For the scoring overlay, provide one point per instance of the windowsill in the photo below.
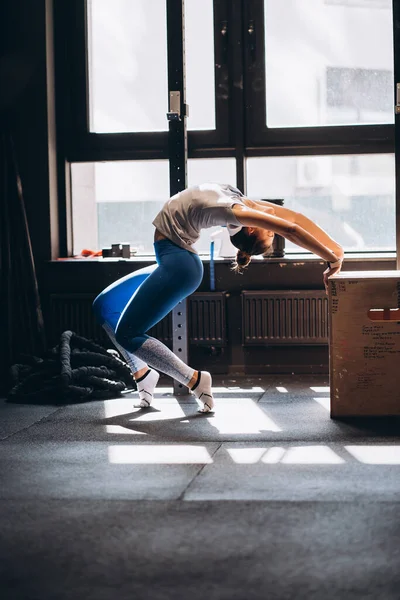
(287, 259)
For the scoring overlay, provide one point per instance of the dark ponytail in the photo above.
(241, 262)
(249, 245)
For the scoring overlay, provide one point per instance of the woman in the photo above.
(132, 305)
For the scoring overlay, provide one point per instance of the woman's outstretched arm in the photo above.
(322, 245)
(299, 219)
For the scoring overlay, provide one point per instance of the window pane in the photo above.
(351, 197)
(202, 170)
(127, 49)
(115, 202)
(328, 62)
(200, 80)
(128, 87)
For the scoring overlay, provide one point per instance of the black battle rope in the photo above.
(77, 370)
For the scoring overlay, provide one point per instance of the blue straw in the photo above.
(212, 268)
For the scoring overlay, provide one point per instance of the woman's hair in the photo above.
(249, 244)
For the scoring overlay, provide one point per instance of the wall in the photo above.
(27, 46)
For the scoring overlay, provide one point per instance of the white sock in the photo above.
(202, 390)
(146, 386)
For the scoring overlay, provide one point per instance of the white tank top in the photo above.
(199, 207)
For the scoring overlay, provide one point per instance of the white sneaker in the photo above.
(146, 386)
(203, 391)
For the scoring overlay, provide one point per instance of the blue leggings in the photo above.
(135, 303)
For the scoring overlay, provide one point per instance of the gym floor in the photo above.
(268, 498)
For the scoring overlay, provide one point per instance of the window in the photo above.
(312, 66)
(115, 77)
(304, 40)
(351, 197)
(127, 65)
(116, 202)
(200, 81)
(127, 56)
(290, 99)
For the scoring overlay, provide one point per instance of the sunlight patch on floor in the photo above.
(273, 455)
(376, 455)
(311, 455)
(293, 455)
(119, 429)
(246, 456)
(125, 406)
(232, 416)
(118, 406)
(246, 417)
(324, 402)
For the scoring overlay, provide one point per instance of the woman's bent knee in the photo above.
(122, 337)
(128, 339)
(125, 335)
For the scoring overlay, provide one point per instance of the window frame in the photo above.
(82, 145)
(241, 130)
(257, 140)
(262, 140)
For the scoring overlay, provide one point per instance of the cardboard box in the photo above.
(364, 343)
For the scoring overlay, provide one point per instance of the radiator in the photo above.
(285, 317)
(206, 319)
(74, 312)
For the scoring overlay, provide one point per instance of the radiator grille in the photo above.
(206, 318)
(74, 312)
(285, 317)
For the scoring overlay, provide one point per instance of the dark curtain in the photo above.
(21, 319)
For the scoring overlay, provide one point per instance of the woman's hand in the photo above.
(332, 269)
